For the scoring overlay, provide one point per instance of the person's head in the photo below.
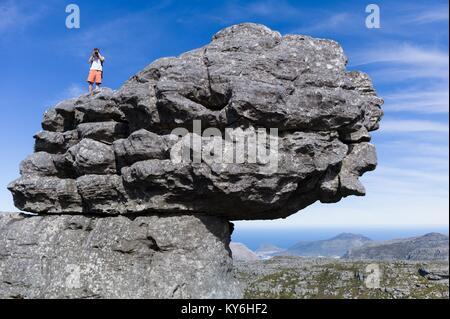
(96, 51)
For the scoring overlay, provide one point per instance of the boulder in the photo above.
(105, 132)
(92, 157)
(115, 257)
(46, 195)
(55, 142)
(193, 134)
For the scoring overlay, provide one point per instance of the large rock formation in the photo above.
(115, 257)
(254, 125)
(111, 153)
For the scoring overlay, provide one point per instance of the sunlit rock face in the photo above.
(117, 152)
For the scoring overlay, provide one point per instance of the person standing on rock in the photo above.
(96, 71)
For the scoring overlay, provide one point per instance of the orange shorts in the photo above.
(95, 76)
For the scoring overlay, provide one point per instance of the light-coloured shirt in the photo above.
(96, 63)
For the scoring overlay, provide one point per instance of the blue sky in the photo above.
(42, 62)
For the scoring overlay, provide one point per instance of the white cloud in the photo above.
(416, 147)
(404, 53)
(74, 90)
(374, 210)
(272, 9)
(394, 62)
(421, 100)
(432, 163)
(402, 174)
(19, 14)
(407, 126)
(231, 13)
(431, 15)
(401, 73)
(340, 21)
(396, 197)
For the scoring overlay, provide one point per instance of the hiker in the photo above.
(96, 71)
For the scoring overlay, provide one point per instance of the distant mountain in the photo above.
(432, 246)
(333, 247)
(266, 251)
(242, 252)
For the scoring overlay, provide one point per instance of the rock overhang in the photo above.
(111, 153)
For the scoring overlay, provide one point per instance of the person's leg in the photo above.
(90, 80)
(98, 80)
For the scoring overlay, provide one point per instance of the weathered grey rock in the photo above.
(140, 146)
(102, 193)
(359, 134)
(115, 257)
(55, 142)
(92, 157)
(39, 163)
(105, 132)
(248, 79)
(360, 159)
(36, 193)
(98, 109)
(46, 164)
(60, 118)
(53, 121)
(433, 274)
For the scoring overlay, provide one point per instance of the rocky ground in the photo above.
(309, 278)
